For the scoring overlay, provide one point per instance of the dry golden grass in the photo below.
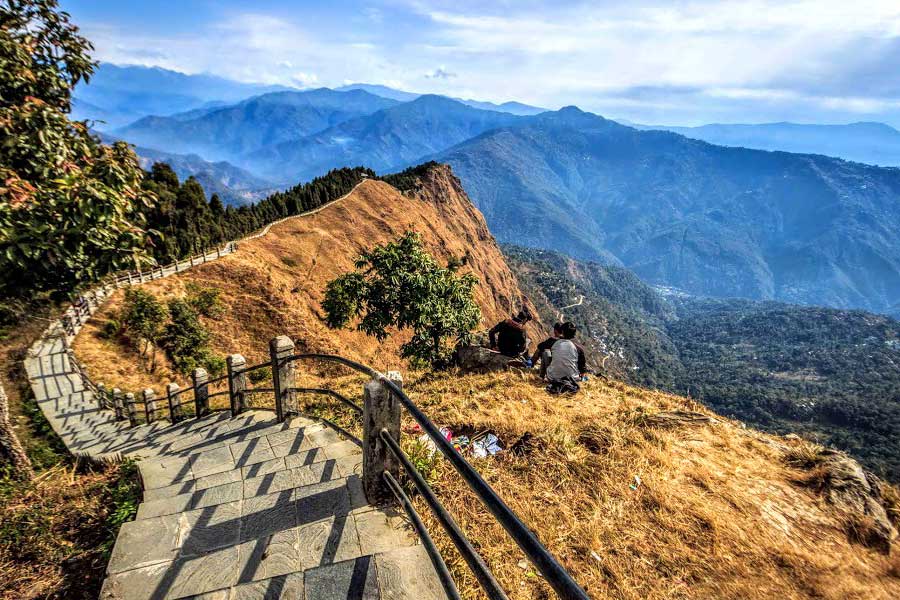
(716, 511)
(715, 514)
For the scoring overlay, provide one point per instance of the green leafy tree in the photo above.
(143, 316)
(187, 339)
(69, 206)
(401, 285)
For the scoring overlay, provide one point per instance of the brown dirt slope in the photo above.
(274, 285)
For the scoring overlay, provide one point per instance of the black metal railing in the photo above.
(546, 564)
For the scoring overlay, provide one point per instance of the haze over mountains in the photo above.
(679, 212)
(873, 143)
(267, 120)
(121, 94)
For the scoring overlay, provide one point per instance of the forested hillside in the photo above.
(831, 375)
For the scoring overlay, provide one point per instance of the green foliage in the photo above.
(69, 206)
(185, 336)
(207, 301)
(260, 375)
(400, 285)
(124, 497)
(143, 315)
(408, 179)
(111, 329)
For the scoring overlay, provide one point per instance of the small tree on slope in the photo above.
(401, 285)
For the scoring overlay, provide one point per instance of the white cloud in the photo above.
(826, 55)
(440, 73)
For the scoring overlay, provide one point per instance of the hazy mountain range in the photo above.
(121, 94)
(227, 132)
(389, 138)
(711, 220)
(873, 143)
(707, 219)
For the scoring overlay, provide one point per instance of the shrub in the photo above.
(111, 329)
(207, 301)
(143, 316)
(187, 340)
(260, 375)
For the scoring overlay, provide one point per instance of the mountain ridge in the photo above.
(711, 220)
(865, 142)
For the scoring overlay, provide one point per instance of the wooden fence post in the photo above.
(171, 390)
(150, 405)
(381, 410)
(237, 382)
(117, 404)
(131, 408)
(283, 376)
(201, 393)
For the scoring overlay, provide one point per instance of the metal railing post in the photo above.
(381, 411)
(201, 393)
(237, 382)
(283, 376)
(171, 390)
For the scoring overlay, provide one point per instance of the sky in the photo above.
(646, 61)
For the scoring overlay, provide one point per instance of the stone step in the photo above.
(222, 546)
(401, 573)
(163, 502)
(345, 454)
(256, 456)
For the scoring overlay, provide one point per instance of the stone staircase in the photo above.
(237, 507)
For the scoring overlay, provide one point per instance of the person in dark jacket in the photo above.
(508, 337)
(567, 363)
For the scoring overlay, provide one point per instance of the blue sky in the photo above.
(651, 61)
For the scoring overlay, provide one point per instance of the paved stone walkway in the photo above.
(236, 508)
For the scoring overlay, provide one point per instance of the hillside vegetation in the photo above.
(275, 284)
(832, 375)
(633, 507)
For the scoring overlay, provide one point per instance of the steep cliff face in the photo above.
(275, 284)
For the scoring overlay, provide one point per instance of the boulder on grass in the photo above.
(855, 492)
(477, 359)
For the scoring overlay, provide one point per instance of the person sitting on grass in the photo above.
(544, 347)
(508, 337)
(567, 363)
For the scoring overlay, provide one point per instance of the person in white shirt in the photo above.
(567, 363)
